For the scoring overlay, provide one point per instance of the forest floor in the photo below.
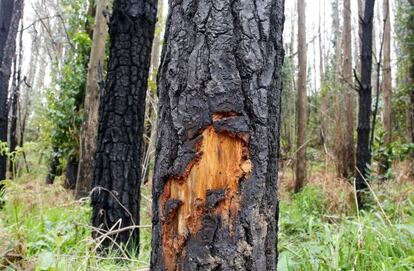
(43, 228)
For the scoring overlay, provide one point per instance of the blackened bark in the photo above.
(365, 100)
(71, 173)
(53, 166)
(6, 11)
(9, 22)
(215, 205)
(116, 183)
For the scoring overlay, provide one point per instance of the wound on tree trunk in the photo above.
(215, 205)
(116, 193)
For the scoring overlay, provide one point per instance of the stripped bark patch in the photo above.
(210, 187)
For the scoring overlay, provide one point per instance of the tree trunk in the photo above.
(15, 97)
(53, 166)
(10, 15)
(324, 102)
(28, 91)
(116, 182)
(91, 107)
(71, 173)
(365, 100)
(386, 83)
(349, 161)
(411, 92)
(215, 204)
(301, 99)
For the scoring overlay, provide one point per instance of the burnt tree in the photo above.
(6, 11)
(10, 15)
(116, 182)
(215, 205)
(365, 100)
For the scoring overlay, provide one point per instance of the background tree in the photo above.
(349, 157)
(65, 95)
(116, 183)
(214, 190)
(91, 104)
(387, 83)
(17, 82)
(301, 99)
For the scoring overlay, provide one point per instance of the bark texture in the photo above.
(91, 103)
(116, 182)
(387, 83)
(215, 204)
(301, 107)
(365, 100)
(11, 12)
(349, 161)
(6, 11)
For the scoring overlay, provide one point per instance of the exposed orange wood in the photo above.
(223, 161)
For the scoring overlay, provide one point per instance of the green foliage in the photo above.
(405, 39)
(396, 151)
(65, 96)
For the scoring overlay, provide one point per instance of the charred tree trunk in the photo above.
(9, 23)
(90, 119)
(349, 161)
(116, 192)
(71, 173)
(215, 205)
(301, 100)
(6, 11)
(53, 166)
(365, 100)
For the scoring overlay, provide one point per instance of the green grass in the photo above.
(49, 231)
(312, 239)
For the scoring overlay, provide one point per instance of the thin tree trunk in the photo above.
(301, 99)
(27, 97)
(323, 92)
(349, 161)
(15, 97)
(365, 100)
(91, 114)
(215, 205)
(53, 166)
(411, 92)
(8, 31)
(151, 101)
(386, 83)
(116, 182)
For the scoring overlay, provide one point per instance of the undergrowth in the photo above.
(42, 228)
